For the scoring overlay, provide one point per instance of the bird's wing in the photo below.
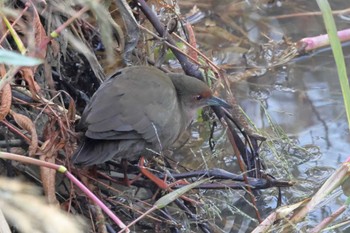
(131, 107)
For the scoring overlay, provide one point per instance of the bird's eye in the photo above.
(198, 97)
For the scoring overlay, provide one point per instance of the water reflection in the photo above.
(302, 97)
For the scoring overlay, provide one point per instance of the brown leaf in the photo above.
(28, 75)
(192, 40)
(40, 37)
(49, 153)
(25, 123)
(48, 177)
(6, 100)
(71, 110)
(55, 47)
(6, 96)
(53, 141)
(38, 50)
(52, 145)
(2, 70)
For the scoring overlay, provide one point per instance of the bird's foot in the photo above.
(161, 183)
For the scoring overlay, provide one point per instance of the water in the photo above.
(302, 97)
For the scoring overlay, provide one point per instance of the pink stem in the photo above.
(322, 40)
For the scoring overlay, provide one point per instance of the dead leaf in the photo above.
(38, 50)
(6, 101)
(49, 151)
(27, 124)
(39, 36)
(6, 96)
(192, 41)
(28, 75)
(48, 177)
(71, 110)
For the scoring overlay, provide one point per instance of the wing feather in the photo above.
(116, 113)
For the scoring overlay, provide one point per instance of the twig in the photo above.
(62, 169)
(311, 43)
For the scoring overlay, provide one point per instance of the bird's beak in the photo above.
(215, 101)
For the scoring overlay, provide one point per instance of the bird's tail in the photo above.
(93, 152)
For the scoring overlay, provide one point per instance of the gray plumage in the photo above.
(139, 110)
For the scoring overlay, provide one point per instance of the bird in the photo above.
(139, 111)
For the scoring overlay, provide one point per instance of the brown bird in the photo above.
(138, 111)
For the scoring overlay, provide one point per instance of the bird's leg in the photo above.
(126, 180)
(160, 183)
(124, 164)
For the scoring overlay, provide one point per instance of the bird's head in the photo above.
(194, 94)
